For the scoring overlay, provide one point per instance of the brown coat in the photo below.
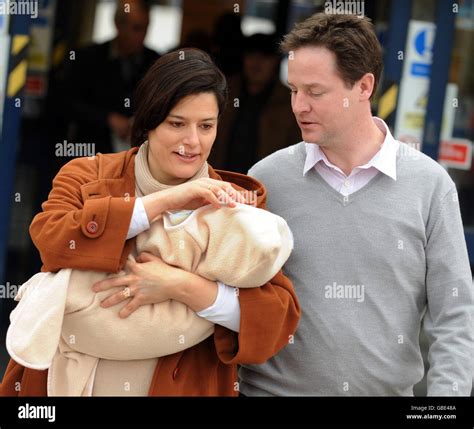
(84, 225)
(277, 124)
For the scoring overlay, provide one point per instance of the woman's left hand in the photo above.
(150, 280)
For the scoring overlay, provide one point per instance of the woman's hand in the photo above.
(151, 281)
(192, 195)
(148, 281)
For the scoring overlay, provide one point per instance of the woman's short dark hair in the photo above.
(174, 76)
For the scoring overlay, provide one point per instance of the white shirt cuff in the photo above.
(226, 308)
(139, 221)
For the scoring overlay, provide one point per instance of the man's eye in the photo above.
(293, 91)
(317, 94)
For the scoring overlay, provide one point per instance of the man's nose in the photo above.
(299, 103)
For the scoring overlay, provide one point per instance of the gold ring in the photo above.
(126, 292)
(210, 186)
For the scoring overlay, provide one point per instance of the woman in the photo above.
(93, 214)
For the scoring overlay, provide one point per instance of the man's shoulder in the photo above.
(282, 160)
(422, 169)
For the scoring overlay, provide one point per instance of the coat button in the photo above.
(92, 227)
(175, 373)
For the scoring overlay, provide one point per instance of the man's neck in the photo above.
(356, 148)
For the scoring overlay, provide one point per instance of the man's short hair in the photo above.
(351, 38)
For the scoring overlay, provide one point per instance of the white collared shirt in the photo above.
(384, 161)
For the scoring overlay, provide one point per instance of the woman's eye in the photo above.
(317, 94)
(206, 126)
(176, 124)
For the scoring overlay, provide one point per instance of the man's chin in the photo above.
(311, 138)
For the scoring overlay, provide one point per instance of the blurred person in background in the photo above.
(199, 39)
(228, 41)
(258, 101)
(101, 80)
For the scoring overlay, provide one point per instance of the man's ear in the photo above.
(366, 86)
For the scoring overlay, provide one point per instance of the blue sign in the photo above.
(424, 46)
(420, 69)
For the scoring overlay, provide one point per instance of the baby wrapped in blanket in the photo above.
(59, 324)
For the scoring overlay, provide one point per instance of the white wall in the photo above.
(163, 33)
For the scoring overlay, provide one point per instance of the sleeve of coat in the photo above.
(81, 226)
(21, 381)
(269, 316)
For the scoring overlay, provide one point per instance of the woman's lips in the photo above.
(188, 159)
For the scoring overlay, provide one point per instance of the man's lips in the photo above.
(305, 124)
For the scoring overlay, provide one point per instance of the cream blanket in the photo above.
(58, 323)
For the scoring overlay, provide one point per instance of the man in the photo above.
(101, 80)
(379, 243)
(247, 132)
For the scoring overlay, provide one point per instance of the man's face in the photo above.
(132, 30)
(324, 107)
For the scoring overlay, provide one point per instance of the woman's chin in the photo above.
(185, 172)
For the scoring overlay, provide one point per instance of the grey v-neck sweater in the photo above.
(367, 268)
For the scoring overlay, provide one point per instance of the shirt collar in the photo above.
(385, 160)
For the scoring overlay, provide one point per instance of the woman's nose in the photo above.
(192, 137)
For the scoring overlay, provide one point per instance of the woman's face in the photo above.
(181, 144)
